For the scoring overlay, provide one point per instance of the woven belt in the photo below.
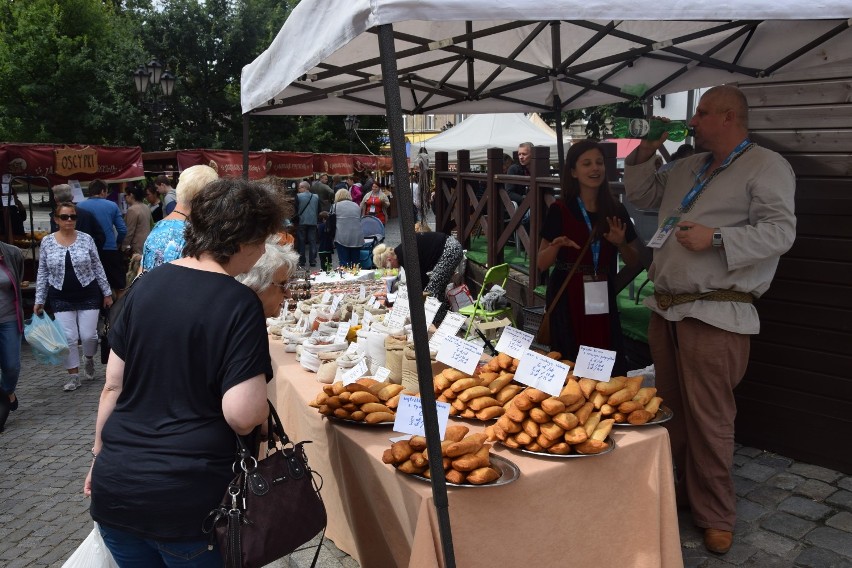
(665, 301)
(583, 268)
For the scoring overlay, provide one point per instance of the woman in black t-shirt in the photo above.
(164, 437)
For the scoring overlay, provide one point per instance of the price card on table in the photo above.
(353, 321)
(382, 374)
(304, 324)
(460, 354)
(450, 326)
(342, 332)
(285, 308)
(396, 318)
(352, 349)
(326, 297)
(368, 317)
(514, 342)
(362, 292)
(431, 307)
(594, 363)
(542, 372)
(409, 416)
(336, 302)
(355, 372)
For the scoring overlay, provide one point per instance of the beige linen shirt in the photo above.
(752, 202)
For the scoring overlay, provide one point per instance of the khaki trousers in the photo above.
(697, 367)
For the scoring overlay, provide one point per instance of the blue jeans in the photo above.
(131, 551)
(307, 235)
(10, 355)
(347, 256)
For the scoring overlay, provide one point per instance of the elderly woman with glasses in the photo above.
(269, 276)
(71, 281)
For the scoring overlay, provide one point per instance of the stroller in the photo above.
(373, 232)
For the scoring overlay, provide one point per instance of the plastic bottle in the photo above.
(653, 129)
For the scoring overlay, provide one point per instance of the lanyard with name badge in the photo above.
(668, 224)
(595, 293)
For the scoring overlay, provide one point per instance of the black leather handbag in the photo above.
(272, 507)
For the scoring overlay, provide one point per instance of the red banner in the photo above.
(290, 165)
(228, 163)
(61, 162)
(345, 164)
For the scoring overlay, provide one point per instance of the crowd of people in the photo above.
(218, 243)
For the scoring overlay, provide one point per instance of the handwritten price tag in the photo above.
(514, 342)
(362, 292)
(336, 302)
(355, 372)
(382, 374)
(542, 372)
(342, 331)
(285, 308)
(397, 317)
(353, 348)
(450, 326)
(354, 319)
(431, 307)
(409, 416)
(460, 354)
(594, 363)
(326, 297)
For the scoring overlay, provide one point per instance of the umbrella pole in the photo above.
(402, 191)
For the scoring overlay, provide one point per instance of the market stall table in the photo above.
(612, 510)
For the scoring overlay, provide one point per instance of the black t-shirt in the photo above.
(186, 336)
(430, 247)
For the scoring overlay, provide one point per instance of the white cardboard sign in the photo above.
(355, 372)
(594, 363)
(460, 354)
(541, 372)
(514, 342)
(409, 416)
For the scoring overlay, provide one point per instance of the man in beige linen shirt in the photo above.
(722, 251)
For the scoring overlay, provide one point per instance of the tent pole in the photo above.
(402, 191)
(246, 146)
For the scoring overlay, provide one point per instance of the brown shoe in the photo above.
(717, 540)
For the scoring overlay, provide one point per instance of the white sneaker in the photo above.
(90, 368)
(72, 384)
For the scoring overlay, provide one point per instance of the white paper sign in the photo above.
(382, 374)
(594, 363)
(355, 372)
(342, 331)
(353, 321)
(409, 416)
(285, 308)
(368, 317)
(353, 348)
(542, 372)
(431, 307)
(76, 191)
(459, 354)
(336, 302)
(362, 292)
(397, 317)
(450, 326)
(514, 342)
(326, 297)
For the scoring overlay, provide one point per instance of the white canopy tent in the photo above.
(479, 132)
(395, 57)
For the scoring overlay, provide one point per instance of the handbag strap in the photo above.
(570, 274)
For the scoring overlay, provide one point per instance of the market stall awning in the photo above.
(62, 162)
(484, 56)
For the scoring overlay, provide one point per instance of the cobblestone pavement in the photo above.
(790, 513)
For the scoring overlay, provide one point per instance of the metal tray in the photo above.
(664, 414)
(357, 422)
(509, 472)
(608, 440)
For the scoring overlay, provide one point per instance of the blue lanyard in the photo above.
(596, 244)
(696, 190)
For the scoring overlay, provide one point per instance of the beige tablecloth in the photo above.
(614, 510)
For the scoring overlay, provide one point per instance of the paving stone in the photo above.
(841, 521)
(787, 525)
(749, 510)
(768, 560)
(740, 460)
(750, 452)
(804, 508)
(770, 542)
(740, 552)
(786, 481)
(832, 539)
(743, 486)
(815, 557)
(695, 558)
(768, 496)
(841, 499)
(815, 472)
(755, 472)
(774, 461)
(815, 489)
(845, 483)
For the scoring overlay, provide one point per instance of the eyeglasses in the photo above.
(283, 286)
(66, 217)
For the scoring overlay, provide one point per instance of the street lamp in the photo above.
(351, 122)
(153, 84)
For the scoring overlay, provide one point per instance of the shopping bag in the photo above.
(46, 338)
(92, 553)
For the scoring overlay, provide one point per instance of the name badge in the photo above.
(596, 297)
(663, 232)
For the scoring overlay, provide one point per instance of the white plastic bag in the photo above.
(92, 553)
(45, 336)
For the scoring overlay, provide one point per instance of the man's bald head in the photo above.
(727, 97)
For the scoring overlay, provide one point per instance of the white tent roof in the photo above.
(478, 132)
(536, 119)
(481, 56)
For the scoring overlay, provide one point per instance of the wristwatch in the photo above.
(717, 238)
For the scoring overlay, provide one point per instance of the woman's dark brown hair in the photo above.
(607, 206)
